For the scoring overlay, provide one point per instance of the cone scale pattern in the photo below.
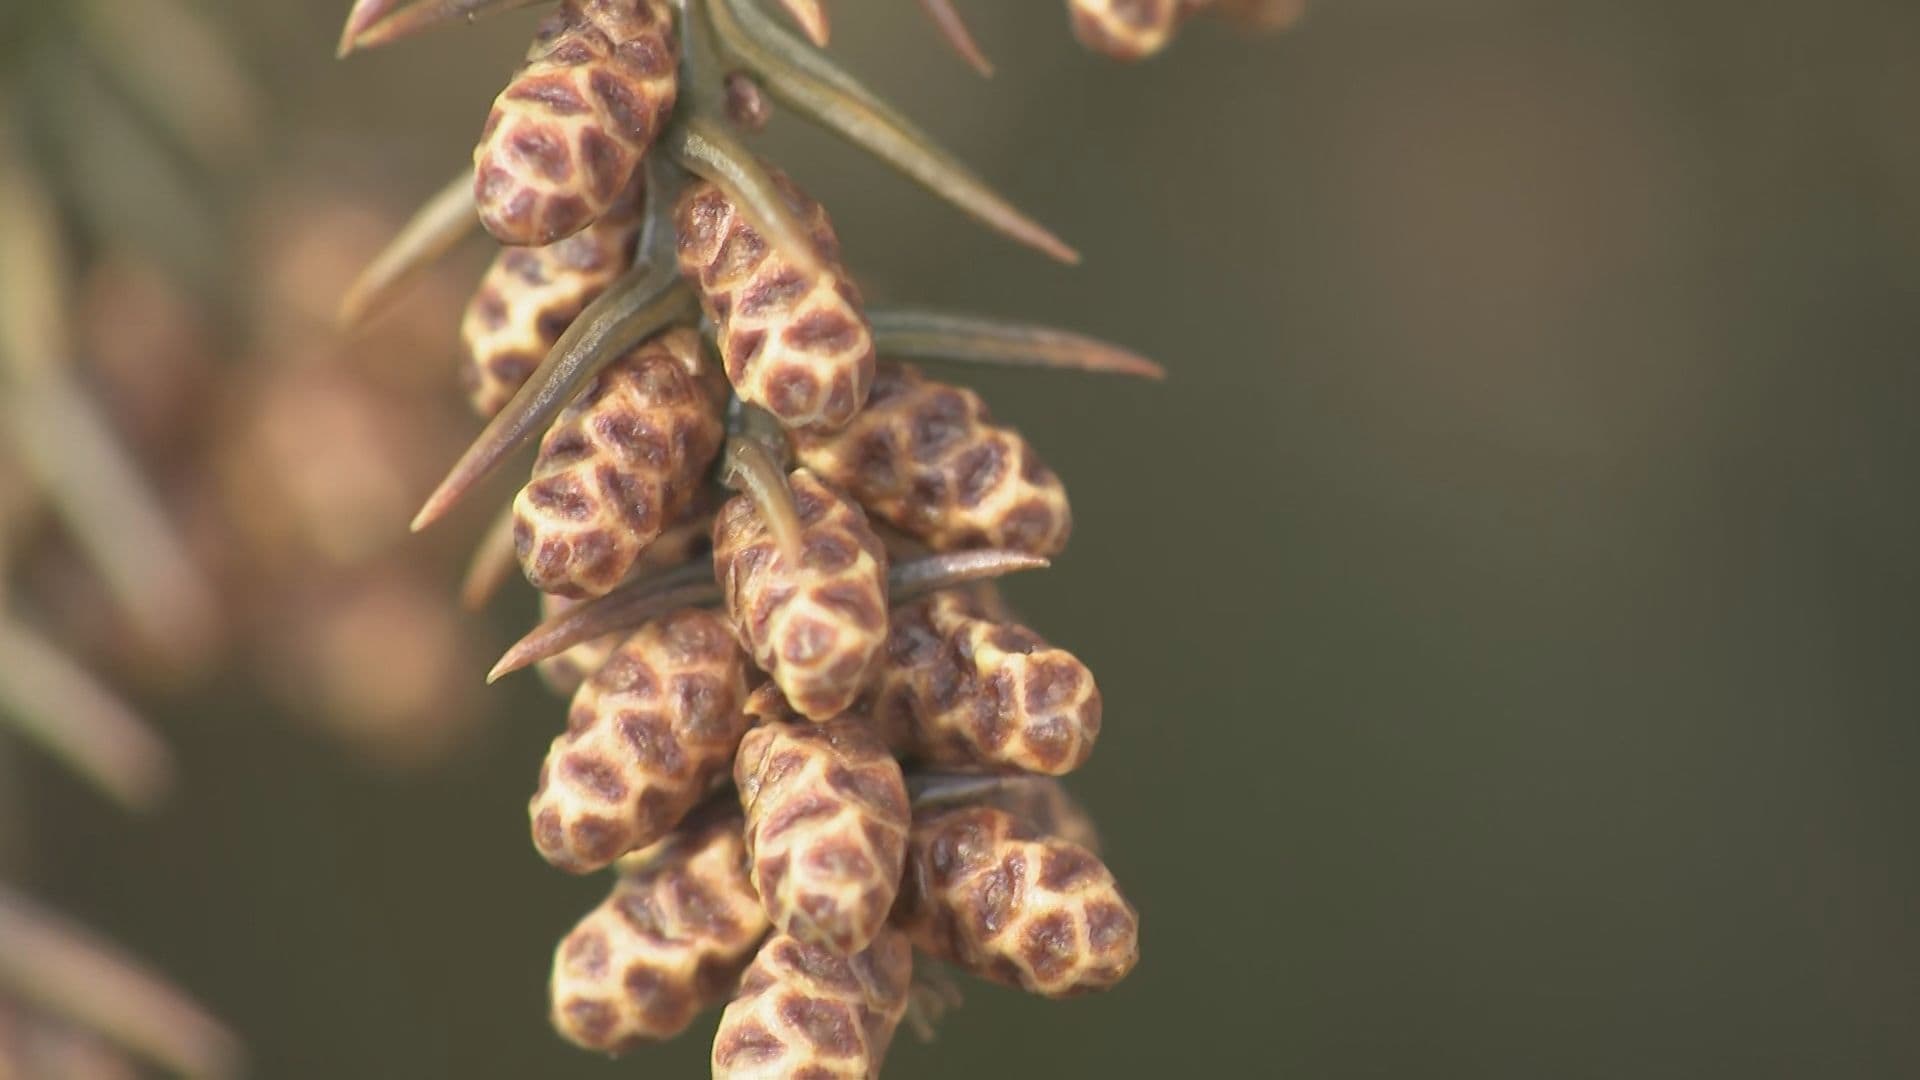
(646, 739)
(563, 673)
(928, 459)
(566, 136)
(805, 1011)
(745, 768)
(669, 941)
(816, 625)
(617, 468)
(956, 690)
(528, 298)
(991, 896)
(795, 340)
(827, 817)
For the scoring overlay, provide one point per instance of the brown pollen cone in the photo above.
(816, 627)
(528, 298)
(565, 138)
(795, 339)
(827, 818)
(646, 738)
(990, 895)
(618, 467)
(955, 690)
(927, 458)
(669, 941)
(1127, 29)
(564, 672)
(804, 1011)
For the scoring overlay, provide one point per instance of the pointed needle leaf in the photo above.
(33, 271)
(434, 229)
(173, 61)
(633, 604)
(364, 14)
(716, 155)
(492, 563)
(811, 17)
(646, 301)
(71, 451)
(55, 702)
(811, 84)
(934, 335)
(625, 608)
(752, 469)
(67, 972)
(928, 789)
(947, 19)
(91, 480)
(931, 573)
(390, 25)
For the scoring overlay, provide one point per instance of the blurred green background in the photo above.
(1506, 612)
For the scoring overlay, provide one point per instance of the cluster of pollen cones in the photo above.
(805, 735)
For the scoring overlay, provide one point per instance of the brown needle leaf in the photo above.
(70, 450)
(813, 85)
(947, 19)
(91, 480)
(714, 154)
(627, 607)
(647, 300)
(811, 15)
(373, 23)
(173, 64)
(931, 335)
(58, 704)
(492, 564)
(752, 469)
(433, 230)
(33, 271)
(364, 14)
(69, 973)
(932, 573)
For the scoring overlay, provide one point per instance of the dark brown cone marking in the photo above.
(826, 811)
(817, 628)
(927, 458)
(988, 894)
(794, 339)
(677, 929)
(955, 690)
(634, 760)
(806, 1011)
(618, 466)
(565, 138)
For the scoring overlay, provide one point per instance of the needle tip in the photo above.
(513, 660)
